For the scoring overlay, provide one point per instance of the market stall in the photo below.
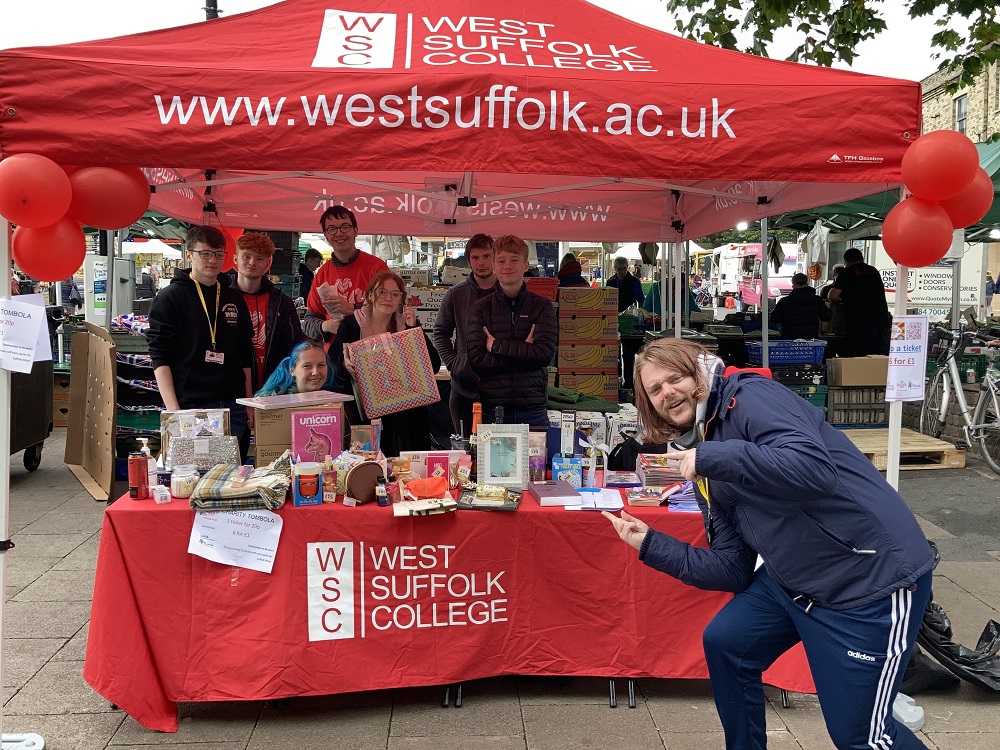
(349, 606)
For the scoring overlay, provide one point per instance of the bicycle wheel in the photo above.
(987, 422)
(930, 412)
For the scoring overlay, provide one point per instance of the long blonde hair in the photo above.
(679, 356)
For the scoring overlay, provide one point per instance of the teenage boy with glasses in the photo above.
(347, 272)
(200, 336)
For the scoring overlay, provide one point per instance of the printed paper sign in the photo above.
(907, 358)
(20, 325)
(244, 538)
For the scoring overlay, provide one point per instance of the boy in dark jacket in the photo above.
(452, 320)
(801, 311)
(511, 337)
(846, 570)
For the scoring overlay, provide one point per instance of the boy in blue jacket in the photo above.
(846, 569)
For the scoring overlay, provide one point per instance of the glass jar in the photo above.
(183, 481)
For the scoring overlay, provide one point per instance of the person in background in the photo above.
(384, 311)
(991, 287)
(450, 330)
(800, 312)
(571, 274)
(308, 368)
(200, 336)
(628, 286)
(511, 339)
(312, 260)
(146, 288)
(846, 569)
(347, 273)
(565, 259)
(866, 313)
(653, 302)
(824, 291)
(72, 297)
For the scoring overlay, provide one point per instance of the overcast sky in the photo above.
(901, 52)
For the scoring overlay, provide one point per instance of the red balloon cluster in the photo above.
(950, 191)
(49, 204)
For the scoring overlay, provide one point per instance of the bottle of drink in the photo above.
(477, 419)
(498, 415)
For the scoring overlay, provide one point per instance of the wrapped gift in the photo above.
(394, 372)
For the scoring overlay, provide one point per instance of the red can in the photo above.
(138, 476)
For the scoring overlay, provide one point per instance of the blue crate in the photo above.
(804, 352)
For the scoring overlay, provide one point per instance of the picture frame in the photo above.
(502, 454)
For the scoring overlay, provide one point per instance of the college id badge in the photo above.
(215, 358)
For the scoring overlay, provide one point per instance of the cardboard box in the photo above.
(588, 328)
(454, 274)
(266, 454)
(588, 356)
(870, 370)
(586, 301)
(591, 382)
(426, 296)
(274, 426)
(413, 275)
(594, 425)
(626, 420)
(90, 433)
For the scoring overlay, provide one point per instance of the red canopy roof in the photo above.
(558, 120)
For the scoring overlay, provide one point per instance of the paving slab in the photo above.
(22, 572)
(23, 657)
(489, 708)
(981, 579)
(556, 690)
(59, 586)
(75, 648)
(964, 741)
(457, 743)
(84, 557)
(311, 724)
(72, 731)
(574, 727)
(57, 688)
(203, 724)
(47, 545)
(45, 619)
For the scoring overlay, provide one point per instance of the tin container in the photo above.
(138, 476)
(970, 375)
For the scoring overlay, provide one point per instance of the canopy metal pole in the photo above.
(676, 287)
(663, 286)
(763, 293)
(211, 9)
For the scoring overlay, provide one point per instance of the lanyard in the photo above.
(212, 324)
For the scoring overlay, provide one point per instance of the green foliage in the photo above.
(831, 30)
(749, 235)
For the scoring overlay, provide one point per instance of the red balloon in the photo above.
(970, 205)
(109, 197)
(51, 253)
(917, 233)
(940, 164)
(34, 190)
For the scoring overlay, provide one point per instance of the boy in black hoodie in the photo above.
(200, 336)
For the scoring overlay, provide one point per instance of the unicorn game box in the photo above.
(316, 434)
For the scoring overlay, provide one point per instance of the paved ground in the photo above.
(50, 574)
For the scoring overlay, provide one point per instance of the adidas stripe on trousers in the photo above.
(857, 657)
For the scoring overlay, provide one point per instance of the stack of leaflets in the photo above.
(657, 471)
(653, 496)
(427, 507)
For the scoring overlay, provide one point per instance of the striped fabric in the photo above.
(216, 491)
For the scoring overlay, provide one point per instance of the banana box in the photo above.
(586, 301)
(592, 383)
(588, 356)
(588, 328)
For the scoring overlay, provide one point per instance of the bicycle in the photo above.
(982, 425)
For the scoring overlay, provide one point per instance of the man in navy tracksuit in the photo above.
(846, 569)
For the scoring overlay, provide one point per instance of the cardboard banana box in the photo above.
(588, 356)
(584, 301)
(588, 328)
(593, 382)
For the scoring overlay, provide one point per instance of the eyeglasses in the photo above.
(341, 229)
(386, 294)
(209, 254)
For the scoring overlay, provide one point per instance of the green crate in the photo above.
(975, 362)
(626, 325)
(809, 390)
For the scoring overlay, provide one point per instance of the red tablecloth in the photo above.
(359, 600)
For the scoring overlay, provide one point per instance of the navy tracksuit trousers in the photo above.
(857, 657)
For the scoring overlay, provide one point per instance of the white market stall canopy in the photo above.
(447, 117)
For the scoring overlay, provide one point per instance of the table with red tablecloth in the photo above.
(360, 600)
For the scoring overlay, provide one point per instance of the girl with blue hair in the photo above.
(307, 368)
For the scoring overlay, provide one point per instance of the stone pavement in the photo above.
(56, 527)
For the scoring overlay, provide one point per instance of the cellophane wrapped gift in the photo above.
(394, 372)
(204, 452)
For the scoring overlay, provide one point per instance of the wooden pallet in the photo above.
(916, 451)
